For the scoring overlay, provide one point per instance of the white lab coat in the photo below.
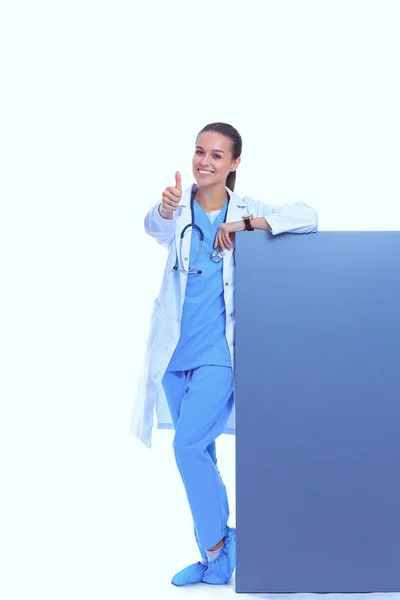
(167, 312)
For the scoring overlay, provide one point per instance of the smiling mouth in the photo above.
(204, 172)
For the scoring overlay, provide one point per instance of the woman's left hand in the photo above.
(225, 237)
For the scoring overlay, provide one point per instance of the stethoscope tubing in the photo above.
(201, 236)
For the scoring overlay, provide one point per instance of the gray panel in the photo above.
(318, 412)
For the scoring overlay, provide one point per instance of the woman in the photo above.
(188, 371)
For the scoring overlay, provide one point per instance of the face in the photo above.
(212, 160)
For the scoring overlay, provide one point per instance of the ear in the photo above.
(236, 163)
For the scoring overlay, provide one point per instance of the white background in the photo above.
(101, 103)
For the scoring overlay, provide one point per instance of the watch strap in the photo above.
(247, 225)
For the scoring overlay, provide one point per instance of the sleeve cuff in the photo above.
(272, 222)
(161, 219)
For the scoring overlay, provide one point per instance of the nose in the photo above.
(204, 162)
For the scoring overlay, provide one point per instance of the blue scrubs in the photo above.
(198, 386)
(200, 401)
(202, 340)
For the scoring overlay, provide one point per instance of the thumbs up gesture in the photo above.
(172, 194)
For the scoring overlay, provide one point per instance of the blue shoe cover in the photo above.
(191, 574)
(220, 570)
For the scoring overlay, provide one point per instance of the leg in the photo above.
(174, 383)
(204, 412)
(175, 387)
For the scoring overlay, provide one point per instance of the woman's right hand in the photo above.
(172, 195)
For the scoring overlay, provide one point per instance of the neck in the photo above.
(212, 197)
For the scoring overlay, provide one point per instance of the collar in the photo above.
(233, 198)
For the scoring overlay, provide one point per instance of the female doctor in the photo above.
(188, 370)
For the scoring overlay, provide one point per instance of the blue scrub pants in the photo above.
(200, 401)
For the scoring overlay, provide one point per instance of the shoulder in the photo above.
(249, 203)
(240, 200)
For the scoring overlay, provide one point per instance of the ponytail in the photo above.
(230, 180)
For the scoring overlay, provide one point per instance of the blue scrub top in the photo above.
(202, 340)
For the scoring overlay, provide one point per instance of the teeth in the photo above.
(205, 172)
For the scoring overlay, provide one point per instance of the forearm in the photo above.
(260, 223)
(256, 223)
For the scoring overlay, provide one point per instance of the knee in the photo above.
(179, 444)
(183, 446)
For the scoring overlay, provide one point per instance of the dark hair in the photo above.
(236, 146)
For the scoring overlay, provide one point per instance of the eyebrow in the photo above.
(214, 149)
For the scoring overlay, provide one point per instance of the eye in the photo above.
(201, 152)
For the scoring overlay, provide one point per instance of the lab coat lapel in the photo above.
(237, 208)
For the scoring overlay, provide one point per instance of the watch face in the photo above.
(247, 217)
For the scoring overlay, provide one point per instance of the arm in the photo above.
(292, 218)
(162, 228)
(160, 221)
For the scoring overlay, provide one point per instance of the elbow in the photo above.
(313, 221)
(147, 223)
(310, 222)
(309, 217)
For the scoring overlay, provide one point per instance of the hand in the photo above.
(225, 237)
(172, 195)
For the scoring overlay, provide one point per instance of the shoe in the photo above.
(191, 574)
(220, 570)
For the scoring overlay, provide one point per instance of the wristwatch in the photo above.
(247, 226)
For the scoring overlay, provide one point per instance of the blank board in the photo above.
(318, 412)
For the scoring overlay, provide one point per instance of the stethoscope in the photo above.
(216, 255)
